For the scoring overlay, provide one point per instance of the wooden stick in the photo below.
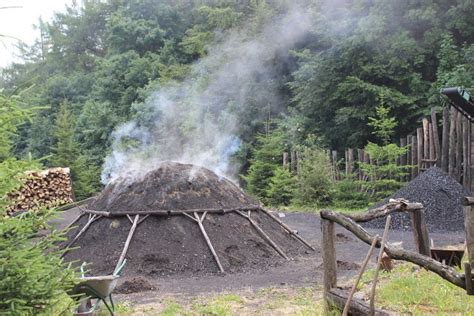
(264, 235)
(426, 139)
(446, 272)
(173, 212)
(74, 204)
(329, 258)
(468, 277)
(359, 276)
(465, 154)
(127, 242)
(142, 219)
(414, 156)
(452, 142)
(420, 232)
(419, 154)
(459, 139)
(130, 219)
(338, 298)
(73, 222)
(379, 261)
(187, 215)
(432, 148)
(292, 232)
(208, 241)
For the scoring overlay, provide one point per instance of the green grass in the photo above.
(409, 289)
(222, 305)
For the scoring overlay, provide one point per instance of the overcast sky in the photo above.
(18, 22)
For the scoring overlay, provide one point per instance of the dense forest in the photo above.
(241, 79)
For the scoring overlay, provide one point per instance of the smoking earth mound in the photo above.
(442, 197)
(167, 245)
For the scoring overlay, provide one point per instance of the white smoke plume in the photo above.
(196, 121)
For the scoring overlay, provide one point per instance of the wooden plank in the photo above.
(469, 281)
(419, 151)
(458, 145)
(469, 231)
(432, 155)
(452, 142)
(338, 299)
(437, 146)
(329, 257)
(420, 232)
(445, 140)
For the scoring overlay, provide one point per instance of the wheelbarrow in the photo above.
(450, 255)
(99, 288)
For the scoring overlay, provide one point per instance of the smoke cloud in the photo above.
(197, 120)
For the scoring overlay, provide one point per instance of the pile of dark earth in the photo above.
(169, 245)
(442, 197)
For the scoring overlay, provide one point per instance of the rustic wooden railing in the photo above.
(337, 297)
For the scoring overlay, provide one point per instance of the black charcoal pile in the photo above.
(441, 195)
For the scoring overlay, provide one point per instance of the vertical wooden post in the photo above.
(469, 154)
(329, 257)
(298, 165)
(452, 142)
(285, 160)
(419, 151)
(414, 156)
(434, 121)
(426, 139)
(293, 161)
(445, 140)
(409, 148)
(420, 232)
(465, 154)
(458, 145)
(432, 144)
(360, 159)
(350, 158)
(469, 227)
(403, 158)
(334, 165)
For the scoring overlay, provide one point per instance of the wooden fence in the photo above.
(448, 146)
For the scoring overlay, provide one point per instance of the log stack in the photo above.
(47, 188)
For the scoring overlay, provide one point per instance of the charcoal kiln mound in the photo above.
(179, 219)
(442, 198)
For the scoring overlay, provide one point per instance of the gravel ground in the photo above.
(441, 195)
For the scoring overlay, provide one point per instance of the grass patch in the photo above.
(409, 289)
(222, 305)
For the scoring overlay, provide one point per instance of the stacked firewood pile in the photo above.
(51, 187)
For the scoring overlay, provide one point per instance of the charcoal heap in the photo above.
(442, 197)
(178, 206)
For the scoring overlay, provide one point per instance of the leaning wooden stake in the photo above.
(92, 218)
(127, 242)
(288, 229)
(208, 241)
(377, 268)
(264, 235)
(359, 276)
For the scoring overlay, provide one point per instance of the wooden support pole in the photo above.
(335, 164)
(458, 145)
(445, 140)
(208, 241)
(127, 242)
(292, 232)
(329, 258)
(92, 218)
(420, 232)
(379, 261)
(285, 161)
(414, 156)
(434, 122)
(360, 159)
(293, 161)
(409, 146)
(264, 235)
(419, 151)
(452, 142)
(465, 154)
(359, 276)
(73, 222)
(350, 157)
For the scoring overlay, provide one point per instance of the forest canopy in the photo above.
(101, 64)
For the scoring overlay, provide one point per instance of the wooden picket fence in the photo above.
(449, 147)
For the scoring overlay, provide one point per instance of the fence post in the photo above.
(426, 140)
(465, 154)
(420, 232)
(445, 140)
(414, 156)
(419, 151)
(458, 145)
(285, 160)
(469, 227)
(452, 141)
(403, 158)
(409, 150)
(329, 258)
(434, 122)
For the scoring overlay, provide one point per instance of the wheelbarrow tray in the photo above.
(101, 286)
(451, 255)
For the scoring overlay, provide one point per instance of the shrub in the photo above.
(282, 187)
